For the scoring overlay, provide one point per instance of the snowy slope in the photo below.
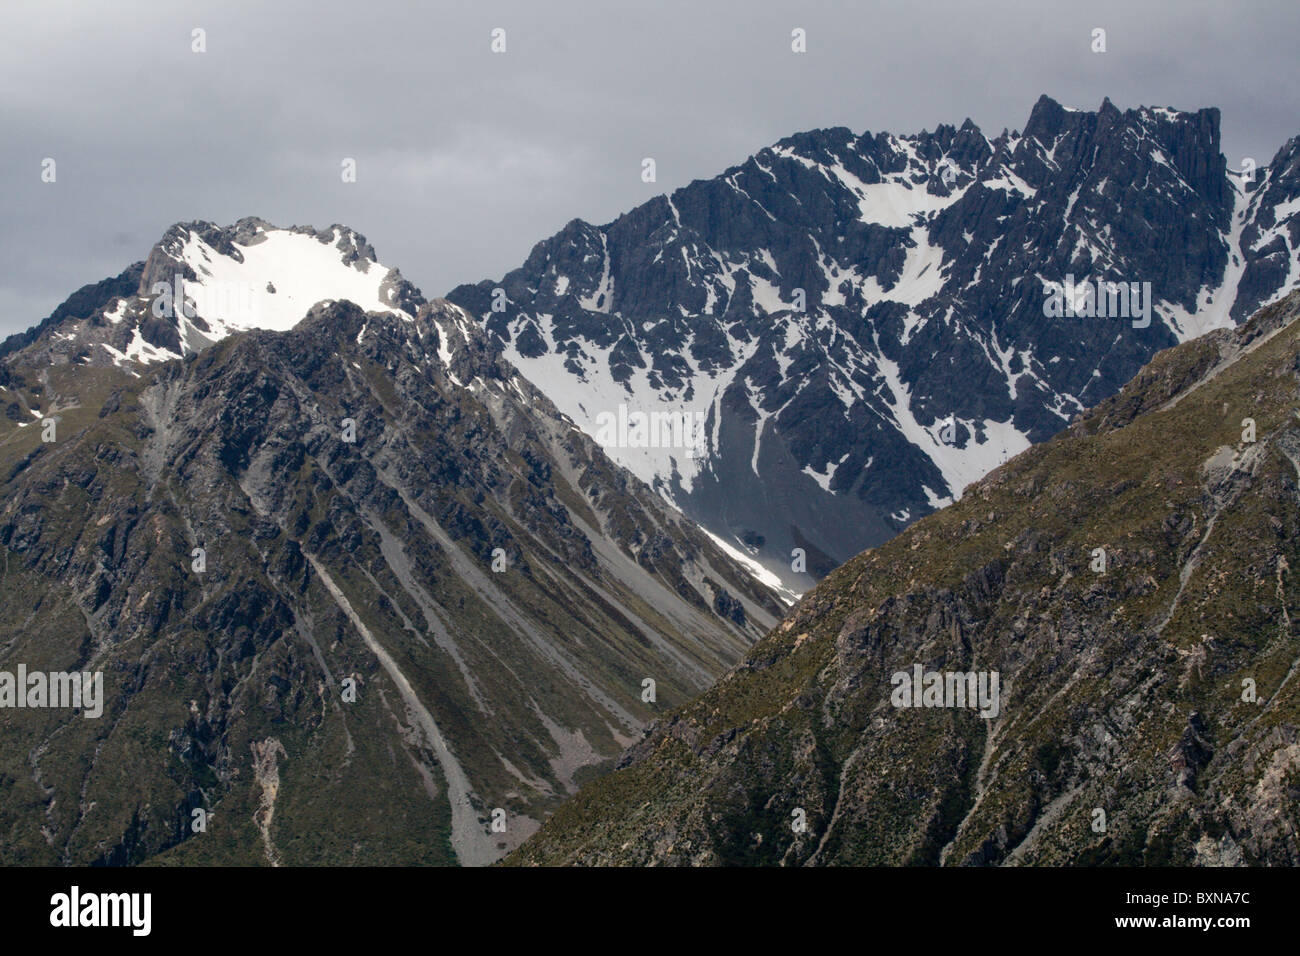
(277, 277)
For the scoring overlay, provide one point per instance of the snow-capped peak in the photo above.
(203, 282)
(271, 281)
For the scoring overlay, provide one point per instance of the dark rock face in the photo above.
(860, 318)
(423, 597)
(87, 303)
(1270, 230)
(1130, 585)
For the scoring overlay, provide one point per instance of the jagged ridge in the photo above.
(921, 357)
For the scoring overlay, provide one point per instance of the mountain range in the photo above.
(374, 578)
(857, 320)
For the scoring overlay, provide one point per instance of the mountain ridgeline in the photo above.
(858, 321)
(1125, 597)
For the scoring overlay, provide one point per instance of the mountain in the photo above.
(857, 322)
(357, 591)
(1122, 596)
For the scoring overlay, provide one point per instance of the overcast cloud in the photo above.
(466, 158)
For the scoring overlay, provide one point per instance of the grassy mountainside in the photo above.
(1150, 713)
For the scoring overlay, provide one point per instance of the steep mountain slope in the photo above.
(353, 586)
(1149, 703)
(857, 321)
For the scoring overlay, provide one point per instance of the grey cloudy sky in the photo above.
(467, 158)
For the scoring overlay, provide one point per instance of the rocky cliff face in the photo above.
(357, 591)
(1118, 605)
(857, 321)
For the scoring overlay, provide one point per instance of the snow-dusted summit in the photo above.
(202, 282)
